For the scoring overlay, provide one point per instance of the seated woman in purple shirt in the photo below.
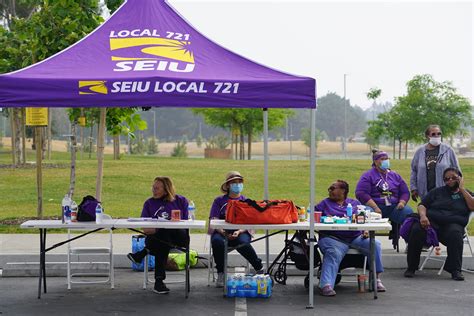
(335, 244)
(159, 241)
(384, 190)
(232, 188)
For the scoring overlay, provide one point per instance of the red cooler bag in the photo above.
(261, 212)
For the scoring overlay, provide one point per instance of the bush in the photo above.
(220, 141)
(152, 146)
(199, 140)
(179, 150)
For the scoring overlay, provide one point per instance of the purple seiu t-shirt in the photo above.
(160, 208)
(331, 208)
(372, 183)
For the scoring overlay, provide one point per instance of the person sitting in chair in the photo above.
(447, 210)
(335, 244)
(158, 242)
(232, 188)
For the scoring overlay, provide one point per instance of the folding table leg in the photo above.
(373, 273)
(225, 264)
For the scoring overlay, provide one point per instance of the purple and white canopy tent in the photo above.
(146, 54)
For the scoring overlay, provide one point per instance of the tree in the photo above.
(306, 137)
(243, 122)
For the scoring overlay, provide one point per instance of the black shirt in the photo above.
(431, 158)
(444, 206)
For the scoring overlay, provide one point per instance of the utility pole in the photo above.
(344, 144)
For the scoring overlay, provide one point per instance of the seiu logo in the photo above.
(156, 54)
(92, 87)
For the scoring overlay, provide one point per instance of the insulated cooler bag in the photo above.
(261, 212)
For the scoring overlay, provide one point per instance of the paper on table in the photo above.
(142, 219)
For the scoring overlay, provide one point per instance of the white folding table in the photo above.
(370, 227)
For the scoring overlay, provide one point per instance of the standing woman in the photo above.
(159, 241)
(429, 162)
(232, 188)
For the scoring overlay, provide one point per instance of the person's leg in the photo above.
(416, 240)
(247, 251)
(333, 253)
(399, 216)
(451, 235)
(364, 244)
(217, 243)
(158, 246)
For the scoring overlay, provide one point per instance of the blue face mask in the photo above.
(385, 164)
(236, 188)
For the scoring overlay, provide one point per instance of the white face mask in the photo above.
(435, 141)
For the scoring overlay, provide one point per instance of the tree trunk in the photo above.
(50, 144)
(394, 148)
(235, 140)
(90, 142)
(117, 147)
(406, 149)
(82, 135)
(242, 145)
(13, 129)
(39, 171)
(23, 136)
(17, 120)
(72, 178)
(249, 146)
(100, 153)
(399, 149)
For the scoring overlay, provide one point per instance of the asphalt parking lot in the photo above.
(426, 294)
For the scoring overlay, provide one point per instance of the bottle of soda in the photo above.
(98, 214)
(73, 211)
(191, 211)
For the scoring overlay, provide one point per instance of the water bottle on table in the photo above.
(98, 214)
(66, 209)
(349, 213)
(191, 211)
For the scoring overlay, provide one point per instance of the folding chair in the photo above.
(210, 266)
(105, 251)
(147, 280)
(465, 241)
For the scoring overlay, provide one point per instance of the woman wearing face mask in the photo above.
(232, 188)
(429, 162)
(384, 190)
(447, 210)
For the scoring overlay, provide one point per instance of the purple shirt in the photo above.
(219, 206)
(331, 208)
(159, 208)
(372, 183)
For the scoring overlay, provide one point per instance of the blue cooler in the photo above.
(138, 243)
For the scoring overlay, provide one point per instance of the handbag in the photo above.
(261, 212)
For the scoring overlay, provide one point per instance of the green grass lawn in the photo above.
(127, 182)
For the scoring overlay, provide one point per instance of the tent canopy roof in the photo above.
(146, 54)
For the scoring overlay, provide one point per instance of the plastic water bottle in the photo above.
(232, 286)
(240, 292)
(98, 214)
(253, 286)
(66, 209)
(268, 281)
(349, 212)
(191, 211)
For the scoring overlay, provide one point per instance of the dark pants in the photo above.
(450, 234)
(247, 251)
(161, 242)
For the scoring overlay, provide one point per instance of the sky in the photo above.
(379, 44)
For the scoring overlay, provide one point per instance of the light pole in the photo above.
(154, 124)
(344, 144)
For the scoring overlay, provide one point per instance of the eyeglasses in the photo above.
(331, 188)
(435, 134)
(454, 178)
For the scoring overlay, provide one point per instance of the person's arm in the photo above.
(404, 194)
(362, 193)
(214, 213)
(424, 221)
(467, 195)
(146, 213)
(374, 206)
(414, 177)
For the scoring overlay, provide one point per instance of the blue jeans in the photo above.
(334, 251)
(247, 251)
(395, 215)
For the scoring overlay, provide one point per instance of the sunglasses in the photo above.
(435, 134)
(454, 178)
(331, 188)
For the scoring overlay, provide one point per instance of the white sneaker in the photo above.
(220, 279)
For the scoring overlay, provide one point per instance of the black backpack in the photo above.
(86, 210)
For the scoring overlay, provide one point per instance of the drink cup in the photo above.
(361, 283)
(317, 217)
(175, 215)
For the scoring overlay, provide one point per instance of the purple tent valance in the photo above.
(146, 54)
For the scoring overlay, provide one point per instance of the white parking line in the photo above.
(240, 302)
